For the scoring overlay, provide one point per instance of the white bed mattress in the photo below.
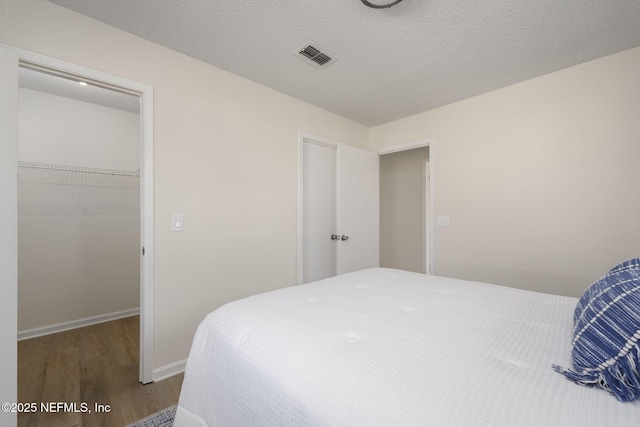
(384, 347)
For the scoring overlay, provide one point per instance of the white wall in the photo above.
(59, 130)
(402, 204)
(225, 157)
(78, 233)
(539, 178)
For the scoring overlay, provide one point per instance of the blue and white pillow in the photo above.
(606, 334)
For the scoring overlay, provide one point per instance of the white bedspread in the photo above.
(385, 347)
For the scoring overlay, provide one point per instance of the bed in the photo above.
(384, 347)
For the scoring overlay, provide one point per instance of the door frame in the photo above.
(426, 214)
(8, 231)
(429, 236)
(302, 138)
(146, 188)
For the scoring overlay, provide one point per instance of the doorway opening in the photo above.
(59, 175)
(78, 204)
(406, 207)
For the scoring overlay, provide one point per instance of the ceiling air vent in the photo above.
(315, 55)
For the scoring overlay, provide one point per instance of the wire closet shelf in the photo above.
(69, 168)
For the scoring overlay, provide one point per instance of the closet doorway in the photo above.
(78, 204)
(406, 206)
(65, 181)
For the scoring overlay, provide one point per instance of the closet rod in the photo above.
(36, 165)
(63, 74)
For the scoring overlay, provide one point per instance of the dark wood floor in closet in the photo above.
(96, 364)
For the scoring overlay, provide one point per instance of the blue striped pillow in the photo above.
(606, 334)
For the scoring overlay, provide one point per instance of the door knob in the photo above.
(335, 237)
(344, 238)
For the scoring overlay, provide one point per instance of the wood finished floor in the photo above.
(96, 364)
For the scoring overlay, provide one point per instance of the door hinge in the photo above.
(143, 250)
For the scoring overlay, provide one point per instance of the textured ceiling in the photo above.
(392, 63)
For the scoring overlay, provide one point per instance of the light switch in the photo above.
(177, 222)
(443, 220)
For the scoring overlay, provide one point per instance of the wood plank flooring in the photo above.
(94, 365)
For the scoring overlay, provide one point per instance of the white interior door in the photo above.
(358, 209)
(318, 210)
(339, 209)
(9, 232)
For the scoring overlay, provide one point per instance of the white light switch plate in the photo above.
(177, 222)
(443, 220)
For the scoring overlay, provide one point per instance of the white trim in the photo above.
(146, 236)
(166, 371)
(317, 139)
(300, 242)
(9, 240)
(146, 173)
(429, 142)
(426, 215)
(432, 207)
(74, 324)
(406, 146)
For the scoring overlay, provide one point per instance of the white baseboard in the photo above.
(166, 371)
(65, 326)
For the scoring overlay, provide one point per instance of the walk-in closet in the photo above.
(78, 204)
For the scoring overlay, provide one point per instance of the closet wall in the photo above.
(78, 232)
